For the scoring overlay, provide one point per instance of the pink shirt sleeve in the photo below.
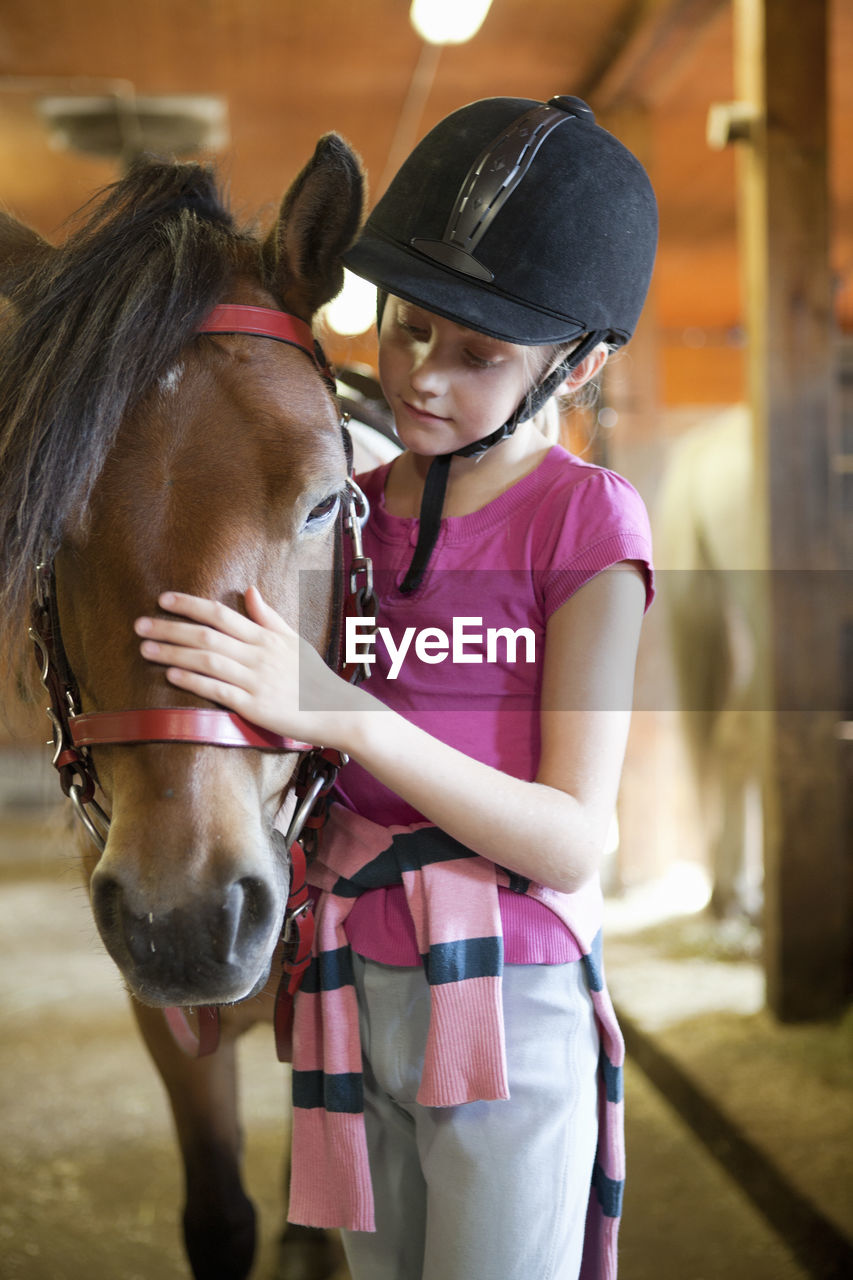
(604, 522)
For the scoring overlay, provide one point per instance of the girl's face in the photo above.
(449, 386)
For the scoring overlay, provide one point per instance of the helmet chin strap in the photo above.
(435, 486)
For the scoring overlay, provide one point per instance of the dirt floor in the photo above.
(89, 1180)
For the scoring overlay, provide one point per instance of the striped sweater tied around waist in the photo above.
(452, 894)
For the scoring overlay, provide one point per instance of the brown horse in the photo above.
(137, 454)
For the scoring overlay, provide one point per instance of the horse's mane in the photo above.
(93, 325)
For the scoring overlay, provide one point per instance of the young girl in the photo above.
(457, 1084)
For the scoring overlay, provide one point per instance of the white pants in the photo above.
(486, 1190)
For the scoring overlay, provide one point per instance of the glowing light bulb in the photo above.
(448, 21)
(354, 309)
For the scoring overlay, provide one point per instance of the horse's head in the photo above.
(198, 462)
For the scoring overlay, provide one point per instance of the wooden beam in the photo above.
(781, 71)
(646, 50)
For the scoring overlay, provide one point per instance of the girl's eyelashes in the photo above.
(420, 334)
(480, 362)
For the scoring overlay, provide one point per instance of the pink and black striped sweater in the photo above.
(452, 894)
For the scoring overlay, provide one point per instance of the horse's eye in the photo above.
(324, 510)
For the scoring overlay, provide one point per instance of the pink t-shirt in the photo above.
(476, 684)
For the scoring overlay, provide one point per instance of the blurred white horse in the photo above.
(706, 540)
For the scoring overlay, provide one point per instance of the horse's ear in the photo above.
(319, 218)
(21, 249)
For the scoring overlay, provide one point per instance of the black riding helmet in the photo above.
(571, 261)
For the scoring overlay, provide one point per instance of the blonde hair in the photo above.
(549, 419)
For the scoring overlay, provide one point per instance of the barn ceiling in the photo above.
(288, 72)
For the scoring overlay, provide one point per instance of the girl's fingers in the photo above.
(188, 635)
(218, 666)
(249, 666)
(209, 612)
(211, 689)
(264, 614)
(212, 616)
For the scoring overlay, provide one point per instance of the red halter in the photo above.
(232, 317)
(209, 725)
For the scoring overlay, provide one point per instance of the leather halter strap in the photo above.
(263, 322)
(176, 724)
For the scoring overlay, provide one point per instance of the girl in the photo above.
(457, 1085)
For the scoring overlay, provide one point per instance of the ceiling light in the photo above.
(448, 21)
(354, 309)
(128, 124)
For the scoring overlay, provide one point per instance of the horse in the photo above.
(706, 541)
(165, 422)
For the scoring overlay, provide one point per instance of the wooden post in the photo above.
(781, 73)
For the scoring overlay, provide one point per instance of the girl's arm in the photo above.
(551, 830)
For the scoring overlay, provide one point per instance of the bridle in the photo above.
(75, 733)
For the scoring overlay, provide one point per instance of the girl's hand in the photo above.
(257, 666)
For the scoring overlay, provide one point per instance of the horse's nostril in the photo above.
(243, 920)
(106, 901)
(230, 923)
(258, 908)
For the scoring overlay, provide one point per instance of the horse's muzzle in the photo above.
(214, 950)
